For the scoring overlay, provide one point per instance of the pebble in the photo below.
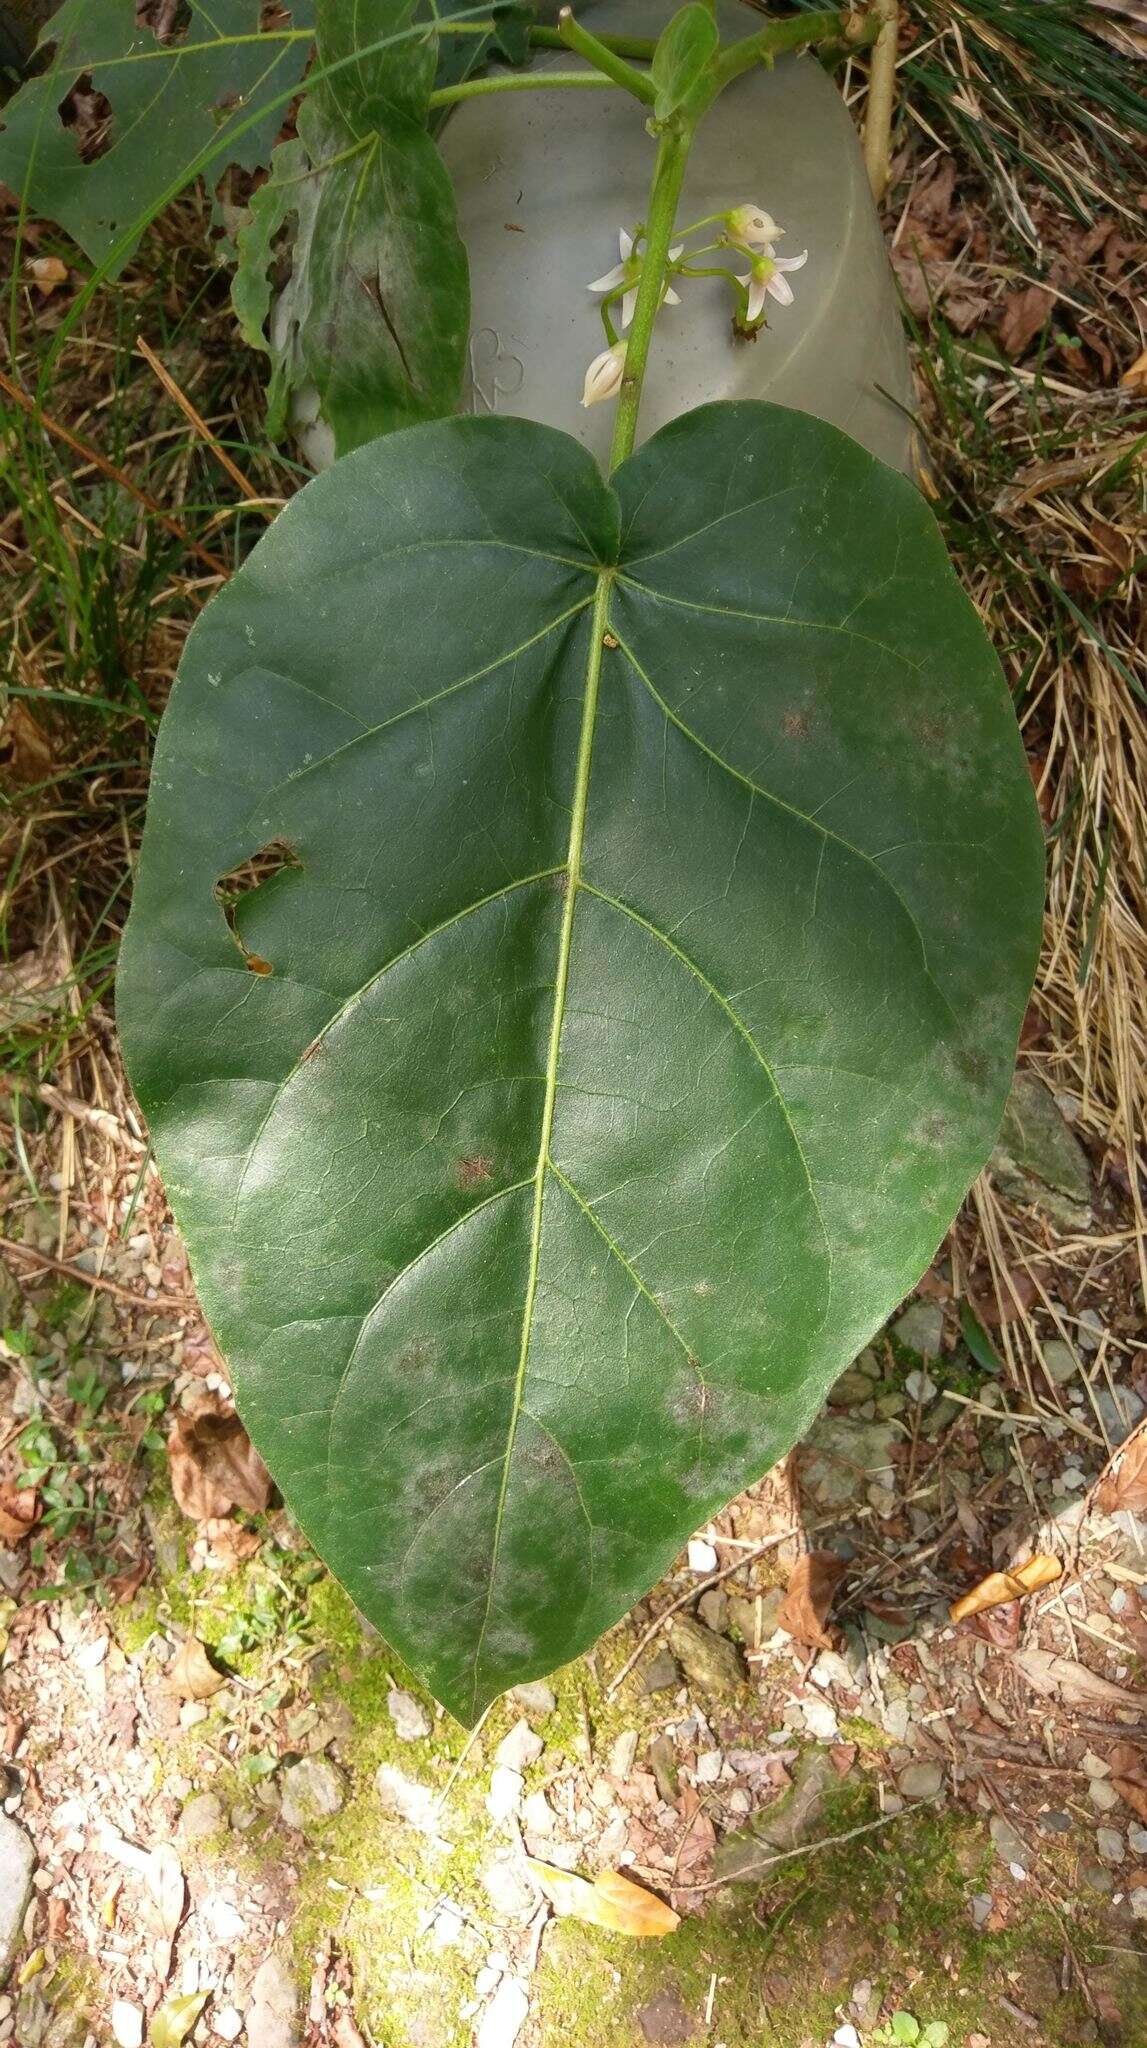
(202, 1816)
(273, 2014)
(921, 1781)
(520, 1748)
(448, 1925)
(127, 2023)
(1137, 1837)
(919, 1386)
(707, 1769)
(1089, 1329)
(505, 2016)
(505, 1792)
(623, 1754)
(1059, 1358)
(537, 1814)
(1138, 1902)
(1102, 1794)
(413, 1802)
(17, 1862)
(1096, 1878)
(228, 2023)
(508, 1887)
(1094, 1765)
(921, 1329)
(1009, 1845)
(820, 1719)
(312, 1790)
(713, 1608)
(701, 1555)
(409, 1717)
(535, 1697)
(1111, 1845)
(846, 2036)
(981, 1908)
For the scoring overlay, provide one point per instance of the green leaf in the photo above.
(684, 48)
(375, 314)
(168, 101)
(935, 2035)
(648, 893)
(460, 57)
(904, 2028)
(174, 2020)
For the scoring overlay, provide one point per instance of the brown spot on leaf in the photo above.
(475, 1171)
(794, 725)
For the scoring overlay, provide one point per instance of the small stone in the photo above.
(701, 1555)
(504, 1796)
(227, 2023)
(1009, 1845)
(202, 1816)
(661, 1673)
(707, 1768)
(17, 1862)
(520, 1748)
(508, 1888)
(1096, 1878)
(713, 1608)
(448, 1925)
(663, 1764)
(273, 2013)
(1111, 1845)
(1118, 1411)
(537, 1814)
(846, 2036)
(505, 2016)
(712, 1663)
(1137, 1836)
(919, 1386)
(1039, 1160)
(981, 1908)
(1102, 1795)
(820, 1718)
(410, 1718)
(921, 1329)
(127, 2023)
(1137, 1900)
(623, 1754)
(1060, 1360)
(921, 1781)
(535, 1697)
(223, 1919)
(192, 1712)
(312, 1790)
(1094, 1765)
(851, 1388)
(487, 1980)
(1089, 1329)
(1054, 1822)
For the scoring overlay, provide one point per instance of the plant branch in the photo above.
(777, 37)
(622, 46)
(881, 93)
(668, 177)
(519, 81)
(599, 54)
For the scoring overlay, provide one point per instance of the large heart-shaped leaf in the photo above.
(658, 893)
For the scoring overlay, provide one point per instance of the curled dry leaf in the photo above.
(174, 2021)
(1134, 377)
(1125, 1485)
(611, 1901)
(165, 1882)
(1133, 1794)
(999, 1587)
(214, 1465)
(20, 1510)
(1074, 1683)
(191, 1673)
(804, 1610)
(46, 272)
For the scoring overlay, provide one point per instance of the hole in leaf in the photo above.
(87, 115)
(241, 883)
(168, 20)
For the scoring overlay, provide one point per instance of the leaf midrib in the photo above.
(578, 810)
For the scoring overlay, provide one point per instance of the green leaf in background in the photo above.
(459, 57)
(684, 48)
(646, 892)
(168, 101)
(375, 315)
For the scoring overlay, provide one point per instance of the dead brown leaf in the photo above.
(804, 1610)
(1000, 1587)
(214, 1465)
(1125, 1485)
(163, 1874)
(344, 2030)
(191, 1674)
(1074, 1683)
(1134, 1794)
(46, 273)
(25, 749)
(611, 1901)
(1134, 377)
(20, 1510)
(1025, 314)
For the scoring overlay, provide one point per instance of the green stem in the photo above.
(622, 46)
(599, 54)
(668, 176)
(779, 36)
(518, 81)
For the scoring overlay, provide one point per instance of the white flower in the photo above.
(766, 279)
(628, 272)
(752, 227)
(603, 377)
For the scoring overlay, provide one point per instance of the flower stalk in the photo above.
(668, 177)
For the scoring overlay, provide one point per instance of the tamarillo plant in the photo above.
(583, 921)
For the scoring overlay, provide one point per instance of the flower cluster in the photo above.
(745, 230)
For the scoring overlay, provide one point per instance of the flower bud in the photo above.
(751, 227)
(603, 377)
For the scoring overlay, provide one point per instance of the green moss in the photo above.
(865, 1734)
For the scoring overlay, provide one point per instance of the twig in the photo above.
(178, 1302)
(691, 1593)
(881, 93)
(201, 427)
(713, 1884)
(112, 470)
